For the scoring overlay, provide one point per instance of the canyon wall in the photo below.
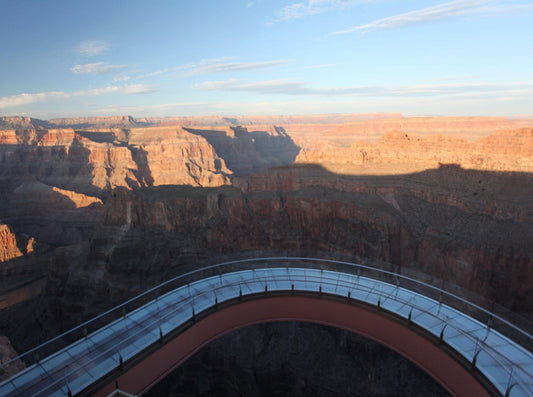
(94, 162)
(398, 152)
(119, 204)
(437, 228)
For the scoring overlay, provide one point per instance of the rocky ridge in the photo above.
(510, 150)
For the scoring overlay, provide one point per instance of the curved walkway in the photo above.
(315, 289)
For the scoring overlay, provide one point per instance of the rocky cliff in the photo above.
(441, 229)
(461, 220)
(13, 245)
(50, 176)
(93, 162)
(399, 152)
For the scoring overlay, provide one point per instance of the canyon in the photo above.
(96, 210)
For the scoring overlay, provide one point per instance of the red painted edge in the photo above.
(430, 357)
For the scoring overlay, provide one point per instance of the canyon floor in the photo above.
(96, 210)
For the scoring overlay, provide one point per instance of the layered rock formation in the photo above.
(14, 122)
(97, 122)
(55, 183)
(407, 221)
(95, 162)
(125, 121)
(52, 176)
(13, 245)
(399, 152)
(247, 152)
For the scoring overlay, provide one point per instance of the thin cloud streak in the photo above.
(216, 65)
(451, 9)
(235, 67)
(91, 48)
(96, 68)
(312, 7)
(325, 65)
(188, 66)
(121, 77)
(289, 87)
(26, 99)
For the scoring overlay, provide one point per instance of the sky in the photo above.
(249, 57)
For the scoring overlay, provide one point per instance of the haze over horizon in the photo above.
(250, 57)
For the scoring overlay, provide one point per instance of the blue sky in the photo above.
(244, 57)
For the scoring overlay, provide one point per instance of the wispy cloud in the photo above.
(290, 87)
(96, 68)
(91, 48)
(26, 99)
(188, 66)
(217, 65)
(321, 66)
(451, 9)
(280, 86)
(312, 7)
(234, 67)
(121, 77)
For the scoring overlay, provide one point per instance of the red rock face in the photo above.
(175, 156)
(12, 245)
(398, 152)
(69, 160)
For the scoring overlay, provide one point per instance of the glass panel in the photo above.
(429, 322)
(7, 388)
(56, 362)
(461, 342)
(498, 375)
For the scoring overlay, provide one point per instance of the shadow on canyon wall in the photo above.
(51, 216)
(98, 136)
(66, 167)
(36, 184)
(248, 152)
(143, 174)
(468, 228)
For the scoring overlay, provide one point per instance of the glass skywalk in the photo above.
(75, 367)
